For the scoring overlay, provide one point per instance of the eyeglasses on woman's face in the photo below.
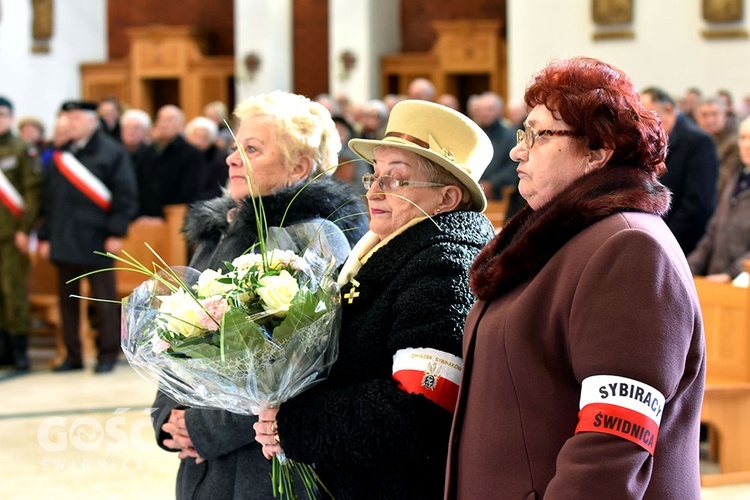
(528, 135)
(388, 183)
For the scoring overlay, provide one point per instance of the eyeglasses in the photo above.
(529, 135)
(388, 183)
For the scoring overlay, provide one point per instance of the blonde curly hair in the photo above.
(303, 128)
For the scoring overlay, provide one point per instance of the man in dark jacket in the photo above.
(89, 199)
(170, 170)
(692, 170)
(487, 111)
(202, 133)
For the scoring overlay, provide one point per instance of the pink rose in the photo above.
(159, 345)
(215, 306)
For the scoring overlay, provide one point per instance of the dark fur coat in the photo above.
(216, 240)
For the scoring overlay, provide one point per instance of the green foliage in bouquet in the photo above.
(269, 299)
(245, 324)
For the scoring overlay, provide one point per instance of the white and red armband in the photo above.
(430, 372)
(621, 407)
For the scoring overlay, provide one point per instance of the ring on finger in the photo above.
(276, 439)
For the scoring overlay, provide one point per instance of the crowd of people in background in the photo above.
(173, 161)
(578, 175)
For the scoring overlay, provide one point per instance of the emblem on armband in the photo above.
(431, 376)
(430, 372)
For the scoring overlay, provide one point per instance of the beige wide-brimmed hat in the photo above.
(440, 134)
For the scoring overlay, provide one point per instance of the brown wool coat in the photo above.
(592, 284)
(726, 244)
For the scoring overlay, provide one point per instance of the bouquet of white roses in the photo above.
(240, 339)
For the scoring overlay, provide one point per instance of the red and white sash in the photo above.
(10, 197)
(432, 373)
(82, 178)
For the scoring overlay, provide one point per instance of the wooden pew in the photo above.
(164, 237)
(45, 310)
(726, 400)
(497, 209)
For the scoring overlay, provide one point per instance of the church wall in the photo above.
(417, 16)
(667, 49)
(215, 16)
(38, 83)
(367, 30)
(263, 30)
(310, 46)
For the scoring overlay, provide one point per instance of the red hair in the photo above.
(601, 103)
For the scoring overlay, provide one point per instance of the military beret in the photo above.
(5, 102)
(85, 105)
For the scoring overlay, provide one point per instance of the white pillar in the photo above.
(368, 29)
(263, 30)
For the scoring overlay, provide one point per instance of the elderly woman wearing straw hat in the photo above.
(378, 426)
(290, 142)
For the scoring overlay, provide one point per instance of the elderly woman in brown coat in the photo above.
(726, 244)
(584, 356)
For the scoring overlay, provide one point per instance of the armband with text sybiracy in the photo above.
(621, 407)
(430, 372)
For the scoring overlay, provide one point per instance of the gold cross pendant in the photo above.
(352, 293)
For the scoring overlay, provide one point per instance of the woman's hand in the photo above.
(267, 432)
(180, 441)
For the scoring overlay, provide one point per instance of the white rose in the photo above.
(208, 284)
(282, 258)
(180, 313)
(246, 261)
(277, 292)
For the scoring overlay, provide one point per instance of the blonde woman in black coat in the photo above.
(289, 141)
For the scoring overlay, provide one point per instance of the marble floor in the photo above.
(81, 435)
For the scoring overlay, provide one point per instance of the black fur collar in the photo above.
(325, 198)
(532, 237)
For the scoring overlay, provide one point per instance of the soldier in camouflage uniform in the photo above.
(20, 190)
